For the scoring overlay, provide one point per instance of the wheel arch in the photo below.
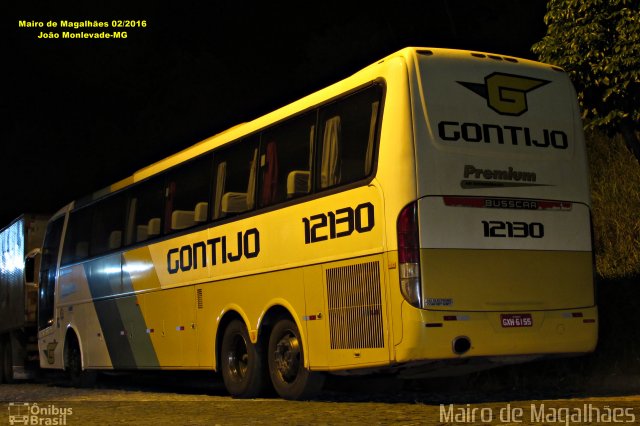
(224, 319)
(276, 311)
(70, 336)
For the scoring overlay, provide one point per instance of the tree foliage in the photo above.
(598, 43)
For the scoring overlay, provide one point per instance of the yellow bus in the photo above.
(429, 213)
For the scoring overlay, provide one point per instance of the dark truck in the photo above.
(20, 244)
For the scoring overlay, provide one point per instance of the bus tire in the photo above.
(290, 379)
(78, 378)
(241, 362)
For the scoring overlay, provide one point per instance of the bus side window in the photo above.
(330, 165)
(188, 194)
(348, 132)
(108, 224)
(76, 241)
(235, 185)
(221, 175)
(285, 160)
(144, 211)
(299, 181)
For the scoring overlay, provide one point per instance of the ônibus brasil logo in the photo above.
(25, 413)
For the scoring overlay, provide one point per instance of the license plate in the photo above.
(516, 320)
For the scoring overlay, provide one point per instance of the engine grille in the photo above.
(355, 307)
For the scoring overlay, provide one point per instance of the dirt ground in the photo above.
(192, 400)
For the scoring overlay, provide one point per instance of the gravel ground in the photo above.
(188, 400)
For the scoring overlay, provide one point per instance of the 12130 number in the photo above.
(339, 223)
(500, 229)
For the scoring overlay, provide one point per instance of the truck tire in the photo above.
(7, 362)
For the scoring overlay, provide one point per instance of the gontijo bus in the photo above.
(431, 209)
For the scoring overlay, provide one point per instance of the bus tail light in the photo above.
(409, 255)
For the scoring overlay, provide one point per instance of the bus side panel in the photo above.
(168, 317)
(341, 307)
(170, 324)
(97, 301)
(76, 310)
(251, 297)
(345, 224)
(123, 330)
(316, 317)
(288, 238)
(85, 321)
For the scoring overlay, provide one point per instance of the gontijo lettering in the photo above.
(223, 249)
(454, 131)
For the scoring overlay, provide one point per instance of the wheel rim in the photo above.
(238, 358)
(287, 357)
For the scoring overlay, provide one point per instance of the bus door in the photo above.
(49, 347)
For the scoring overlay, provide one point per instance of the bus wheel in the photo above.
(241, 362)
(286, 364)
(78, 377)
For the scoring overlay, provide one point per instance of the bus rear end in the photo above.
(495, 254)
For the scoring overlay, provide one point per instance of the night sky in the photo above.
(80, 114)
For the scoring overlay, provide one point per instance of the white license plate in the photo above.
(516, 320)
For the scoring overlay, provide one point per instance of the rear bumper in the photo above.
(431, 335)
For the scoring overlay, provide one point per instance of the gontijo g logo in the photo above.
(506, 94)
